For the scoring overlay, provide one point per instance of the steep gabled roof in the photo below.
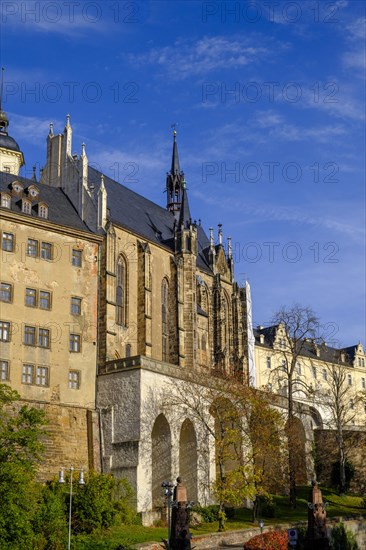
(143, 217)
(60, 209)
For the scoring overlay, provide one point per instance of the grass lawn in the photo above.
(128, 535)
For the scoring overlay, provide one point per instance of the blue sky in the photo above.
(269, 101)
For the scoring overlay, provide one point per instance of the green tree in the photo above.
(21, 428)
(98, 503)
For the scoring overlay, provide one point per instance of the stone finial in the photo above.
(229, 248)
(51, 129)
(220, 233)
(212, 242)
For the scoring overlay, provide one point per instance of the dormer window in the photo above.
(26, 206)
(17, 187)
(5, 200)
(43, 211)
(33, 192)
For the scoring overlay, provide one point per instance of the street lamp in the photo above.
(168, 492)
(261, 525)
(81, 481)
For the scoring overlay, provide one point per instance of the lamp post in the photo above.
(168, 492)
(261, 525)
(81, 481)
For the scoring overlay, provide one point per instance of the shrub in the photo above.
(208, 514)
(335, 476)
(272, 540)
(343, 538)
(101, 502)
(267, 507)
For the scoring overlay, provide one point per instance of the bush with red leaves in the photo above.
(273, 540)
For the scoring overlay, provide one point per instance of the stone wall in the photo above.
(326, 451)
(72, 439)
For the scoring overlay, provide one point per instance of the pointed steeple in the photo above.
(184, 213)
(174, 181)
(175, 169)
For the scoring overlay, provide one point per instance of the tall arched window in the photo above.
(164, 320)
(121, 292)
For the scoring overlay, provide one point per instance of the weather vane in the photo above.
(174, 126)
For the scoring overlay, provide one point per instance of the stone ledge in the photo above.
(236, 539)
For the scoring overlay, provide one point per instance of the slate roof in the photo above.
(60, 209)
(8, 142)
(144, 217)
(326, 353)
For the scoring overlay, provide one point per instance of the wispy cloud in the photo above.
(355, 58)
(30, 129)
(267, 213)
(187, 58)
(71, 19)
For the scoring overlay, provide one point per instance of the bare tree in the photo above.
(340, 400)
(295, 327)
(245, 430)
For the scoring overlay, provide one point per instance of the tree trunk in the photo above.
(342, 463)
(291, 447)
(221, 517)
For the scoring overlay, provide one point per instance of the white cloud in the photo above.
(208, 54)
(65, 18)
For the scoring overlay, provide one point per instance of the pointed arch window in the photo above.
(164, 319)
(121, 292)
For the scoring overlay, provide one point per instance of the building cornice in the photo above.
(47, 225)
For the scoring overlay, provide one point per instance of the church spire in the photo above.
(185, 213)
(175, 180)
(175, 169)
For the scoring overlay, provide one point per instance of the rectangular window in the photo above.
(29, 335)
(298, 367)
(46, 251)
(268, 362)
(4, 370)
(5, 292)
(4, 331)
(75, 343)
(325, 374)
(363, 383)
(76, 257)
(30, 297)
(314, 372)
(27, 374)
(350, 380)
(7, 242)
(42, 376)
(44, 299)
(26, 207)
(44, 338)
(74, 379)
(32, 248)
(75, 305)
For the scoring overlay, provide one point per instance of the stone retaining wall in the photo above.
(232, 539)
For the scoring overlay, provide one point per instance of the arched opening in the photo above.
(161, 467)
(188, 458)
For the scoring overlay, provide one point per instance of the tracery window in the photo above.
(164, 320)
(121, 292)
